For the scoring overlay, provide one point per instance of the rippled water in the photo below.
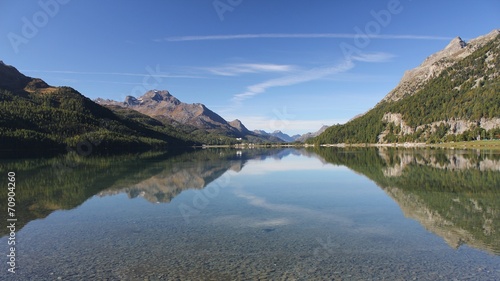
(324, 214)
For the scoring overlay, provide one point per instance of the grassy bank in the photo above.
(483, 144)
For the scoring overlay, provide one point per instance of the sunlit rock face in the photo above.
(414, 79)
(165, 107)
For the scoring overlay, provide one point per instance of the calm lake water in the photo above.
(283, 214)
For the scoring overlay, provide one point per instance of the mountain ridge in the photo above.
(38, 119)
(307, 136)
(163, 106)
(433, 65)
(295, 138)
(451, 96)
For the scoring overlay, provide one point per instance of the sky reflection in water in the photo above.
(293, 214)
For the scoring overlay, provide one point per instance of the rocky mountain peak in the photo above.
(157, 96)
(307, 136)
(131, 101)
(456, 44)
(236, 123)
(413, 80)
(166, 108)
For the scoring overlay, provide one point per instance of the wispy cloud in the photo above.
(311, 74)
(163, 75)
(237, 69)
(108, 82)
(300, 36)
(304, 76)
(373, 57)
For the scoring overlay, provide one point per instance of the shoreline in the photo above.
(483, 144)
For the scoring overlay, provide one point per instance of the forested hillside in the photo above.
(61, 118)
(461, 103)
(36, 118)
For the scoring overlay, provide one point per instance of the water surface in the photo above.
(285, 214)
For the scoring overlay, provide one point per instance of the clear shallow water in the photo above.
(328, 214)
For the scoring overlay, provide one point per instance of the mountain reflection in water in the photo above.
(65, 182)
(453, 194)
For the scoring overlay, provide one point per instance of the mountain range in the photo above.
(163, 106)
(45, 118)
(279, 134)
(452, 96)
(295, 138)
(39, 118)
(193, 118)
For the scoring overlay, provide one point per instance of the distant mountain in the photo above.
(451, 96)
(38, 117)
(240, 127)
(287, 138)
(307, 136)
(43, 118)
(165, 107)
(279, 135)
(193, 118)
(261, 132)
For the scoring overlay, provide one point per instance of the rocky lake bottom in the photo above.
(284, 214)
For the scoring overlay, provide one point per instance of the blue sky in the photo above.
(275, 65)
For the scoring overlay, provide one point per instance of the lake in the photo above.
(257, 214)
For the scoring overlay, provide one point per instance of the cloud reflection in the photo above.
(240, 221)
(259, 167)
(290, 209)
